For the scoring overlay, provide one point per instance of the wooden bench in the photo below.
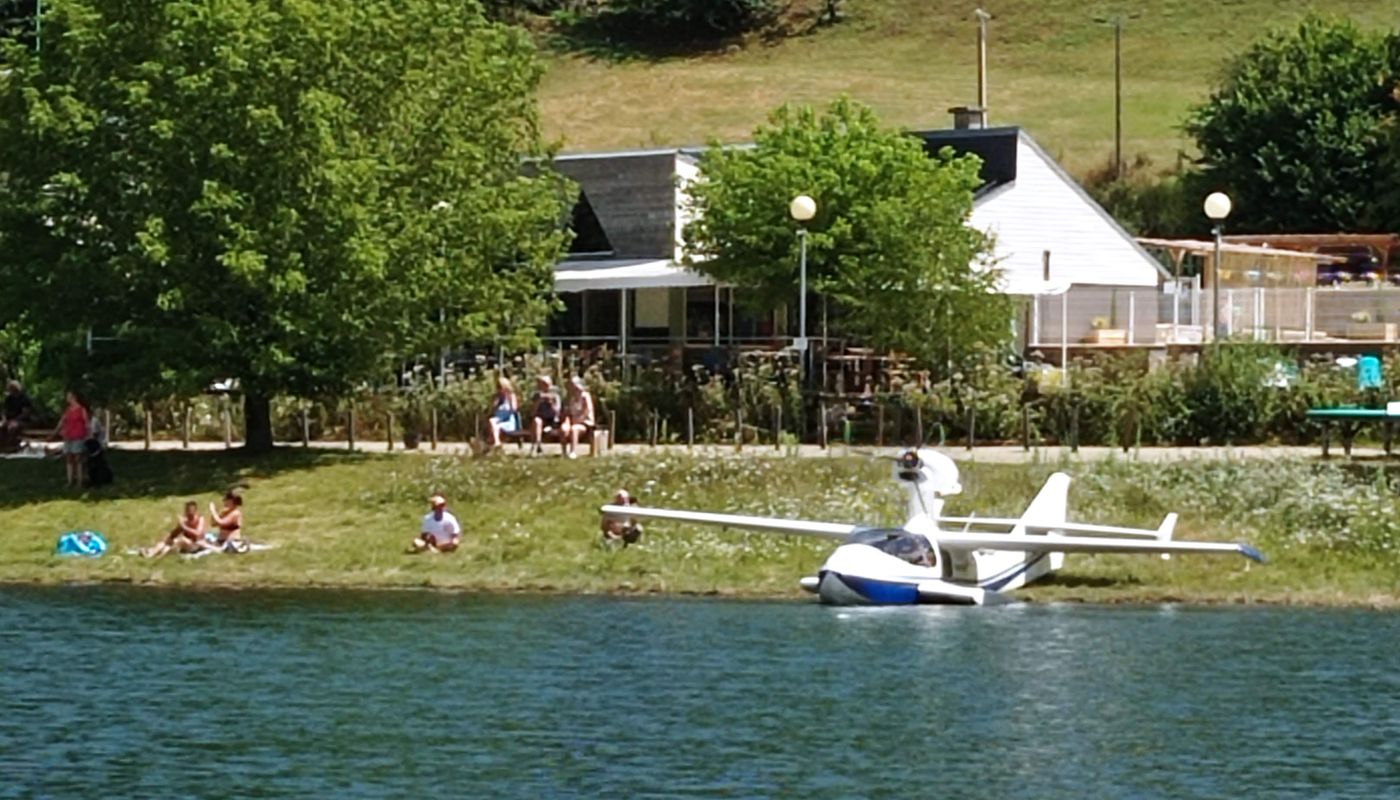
(1350, 420)
(597, 438)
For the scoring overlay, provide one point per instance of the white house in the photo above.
(623, 279)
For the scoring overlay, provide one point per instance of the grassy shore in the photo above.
(1050, 67)
(531, 525)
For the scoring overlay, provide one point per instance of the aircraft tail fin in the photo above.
(1165, 531)
(1049, 508)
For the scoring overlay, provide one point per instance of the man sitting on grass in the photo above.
(440, 532)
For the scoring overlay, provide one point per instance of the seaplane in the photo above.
(949, 560)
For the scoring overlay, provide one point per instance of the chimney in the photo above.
(968, 117)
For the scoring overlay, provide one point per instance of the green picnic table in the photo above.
(1350, 420)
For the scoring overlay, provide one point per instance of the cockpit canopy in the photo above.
(901, 544)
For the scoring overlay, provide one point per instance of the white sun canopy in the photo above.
(1021, 284)
(634, 273)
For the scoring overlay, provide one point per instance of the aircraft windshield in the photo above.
(898, 543)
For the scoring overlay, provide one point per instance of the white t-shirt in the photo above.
(444, 528)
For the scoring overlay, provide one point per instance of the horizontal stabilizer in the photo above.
(1086, 544)
(827, 530)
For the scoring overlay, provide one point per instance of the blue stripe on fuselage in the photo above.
(884, 593)
(995, 583)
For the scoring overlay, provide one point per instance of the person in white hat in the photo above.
(441, 532)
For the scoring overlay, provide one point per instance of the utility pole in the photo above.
(982, 18)
(1118, 97)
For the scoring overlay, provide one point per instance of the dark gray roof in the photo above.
(995, 146)
(632, 195)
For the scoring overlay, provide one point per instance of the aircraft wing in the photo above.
(827, 530)
(1086, 544)
(1061, 527)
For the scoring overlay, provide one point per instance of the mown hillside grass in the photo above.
(1050, 67)
(1331, 531)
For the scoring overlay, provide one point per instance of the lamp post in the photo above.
(802, 208)
(1217, 208)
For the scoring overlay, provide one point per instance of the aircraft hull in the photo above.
(859, 575)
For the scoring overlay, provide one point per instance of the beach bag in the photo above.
(81, 543)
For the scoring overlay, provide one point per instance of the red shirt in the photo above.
(74, 425)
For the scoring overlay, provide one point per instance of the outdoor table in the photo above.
(1350, 420)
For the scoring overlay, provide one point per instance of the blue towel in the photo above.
(81, 543)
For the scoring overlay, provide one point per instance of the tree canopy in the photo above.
(287, 194)
(1296, 131)
(890, 243)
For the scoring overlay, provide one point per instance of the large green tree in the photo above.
(1296, 131)
(890, 243)
(288, 193)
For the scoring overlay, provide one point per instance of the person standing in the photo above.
(73, 429)
(440, 531)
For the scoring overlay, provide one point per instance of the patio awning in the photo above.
(634, 273)
(1031, 286)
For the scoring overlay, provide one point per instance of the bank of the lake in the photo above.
(342, 520)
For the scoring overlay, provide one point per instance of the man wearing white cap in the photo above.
(440, 532)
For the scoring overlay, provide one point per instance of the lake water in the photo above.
(112, 693)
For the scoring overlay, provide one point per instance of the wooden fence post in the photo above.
(147, 408)
(1074, 427)
(612, 427)
(1026, 428)
(228, 425)
(305, 427)
(433, 427)
(350, 429)
(778, 427)
(185, 428)
(879, 424)
(919, 425)
(971, 427)
(689, 427)
(821, 412)
(389, 431)
(739, 429)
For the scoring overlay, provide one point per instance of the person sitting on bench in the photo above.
(544, 407)
(578, 416)
(505, 411)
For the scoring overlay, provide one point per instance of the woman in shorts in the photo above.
(578, 416)
(73, 429)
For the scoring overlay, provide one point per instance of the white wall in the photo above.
(1045, 210)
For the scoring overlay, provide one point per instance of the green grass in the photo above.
(1050, 70)
(343, 520)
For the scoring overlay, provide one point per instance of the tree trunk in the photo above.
(257, 422)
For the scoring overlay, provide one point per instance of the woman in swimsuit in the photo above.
(187, 535)
(229, 523)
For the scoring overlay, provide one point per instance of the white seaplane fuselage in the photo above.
(949, 560)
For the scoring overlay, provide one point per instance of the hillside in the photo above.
(1050, 69)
